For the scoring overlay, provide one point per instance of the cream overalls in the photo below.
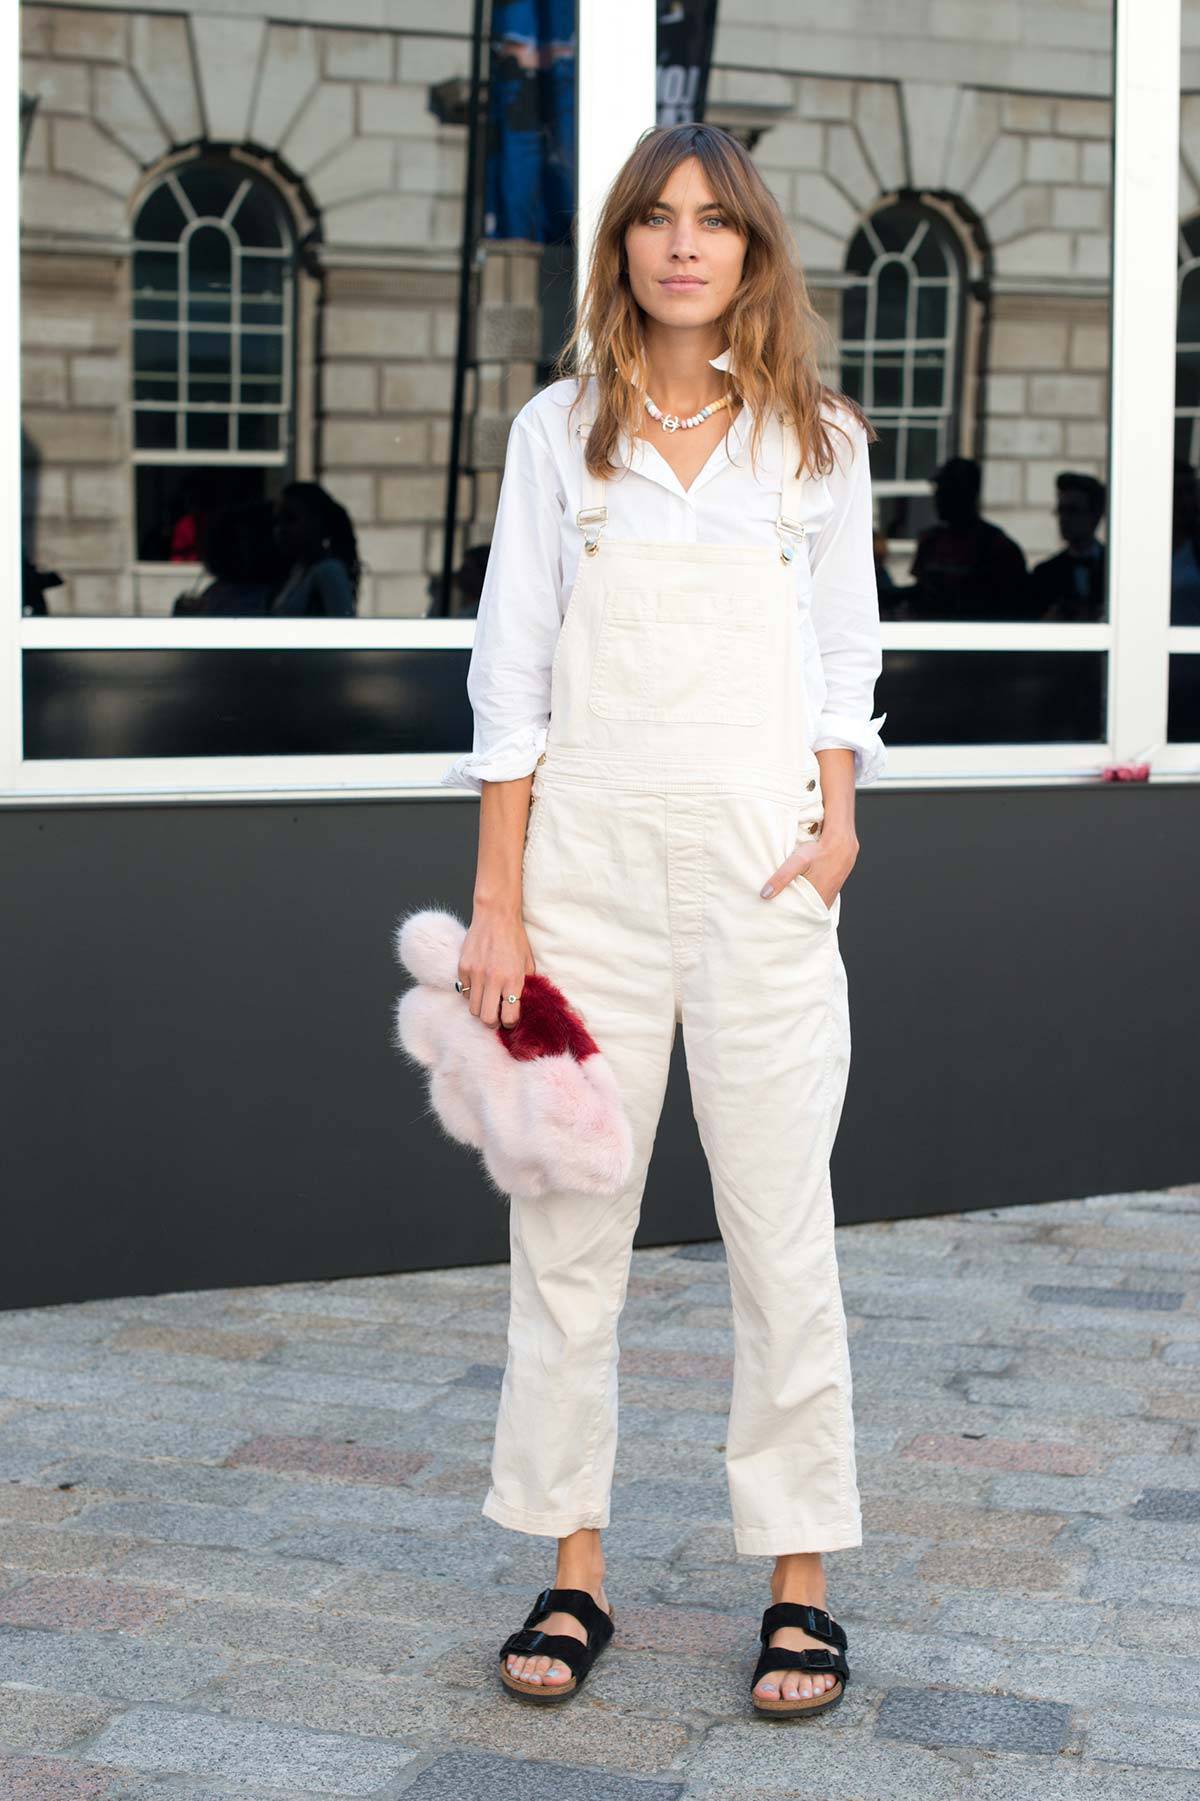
(676, 777)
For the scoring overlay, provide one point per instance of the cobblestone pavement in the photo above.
(241, 1551)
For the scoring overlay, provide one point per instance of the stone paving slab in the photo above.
(241, 1551)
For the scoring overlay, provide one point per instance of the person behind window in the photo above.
(1185, 547)
(188, 526)
(240, 553)
(965, 567)
(1071, 585)
(316, 536)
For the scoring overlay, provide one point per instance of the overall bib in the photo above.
(676, 777)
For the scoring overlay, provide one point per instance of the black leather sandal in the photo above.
(527, 1641)
(818, 1624)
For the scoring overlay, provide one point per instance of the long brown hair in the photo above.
(775, 334)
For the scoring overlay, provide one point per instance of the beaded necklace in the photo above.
(672, 421)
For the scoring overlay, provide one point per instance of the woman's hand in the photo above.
(826, 865)
(494, 962)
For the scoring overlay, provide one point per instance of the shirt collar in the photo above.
(641, 458)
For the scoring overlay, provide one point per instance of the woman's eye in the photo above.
(713, 219)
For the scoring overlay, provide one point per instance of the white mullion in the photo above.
(1145, 262)
(10, 407)
(418, 773)
(616, 74)
(254, 632)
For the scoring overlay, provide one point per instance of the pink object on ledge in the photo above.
(538, 1100)
(1126, 772)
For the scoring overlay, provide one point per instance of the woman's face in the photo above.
(685, 257)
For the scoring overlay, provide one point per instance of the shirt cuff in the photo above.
(838, 730)
(504, 762)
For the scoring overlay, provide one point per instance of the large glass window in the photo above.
(393, 284)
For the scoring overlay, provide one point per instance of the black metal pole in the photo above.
(441, 603)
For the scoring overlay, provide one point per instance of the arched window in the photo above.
(1187, 345)
(213, 306)
(900, 328)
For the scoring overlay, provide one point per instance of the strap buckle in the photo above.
(787, 549)
(591, 522)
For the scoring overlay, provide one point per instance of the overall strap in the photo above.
(790, 524)
(592, 516)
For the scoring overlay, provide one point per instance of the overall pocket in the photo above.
(809, 894)
(680, 657)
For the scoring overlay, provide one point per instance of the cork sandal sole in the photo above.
(804, 1706)
(538, 1691)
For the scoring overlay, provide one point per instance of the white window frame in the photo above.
(616, 102)
(870, 349)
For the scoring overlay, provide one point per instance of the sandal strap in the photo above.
(779, 1657)
(529, 1642)
(813, 1620)
(576, 1601)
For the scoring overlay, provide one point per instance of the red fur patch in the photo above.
(548, 1027)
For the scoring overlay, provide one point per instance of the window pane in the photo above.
(992, 697)
(1185, 535)
(891, 315)
(1183, 703)
(335, 361)
(263, 281)
(207, 431)
(244, 703)
(259, 431)
(258, 219)
(209, 358)
(154, 431)
(161, 219)
(210, 277)
(156, 284)
(960, 173)
(210, 187)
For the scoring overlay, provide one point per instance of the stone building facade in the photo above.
(992, 122)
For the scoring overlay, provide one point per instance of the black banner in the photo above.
(685, 42)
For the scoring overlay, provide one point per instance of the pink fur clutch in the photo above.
(538, 1100)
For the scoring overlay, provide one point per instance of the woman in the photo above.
(316, 535)
(666, 824)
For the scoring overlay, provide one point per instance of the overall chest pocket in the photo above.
(680, 657)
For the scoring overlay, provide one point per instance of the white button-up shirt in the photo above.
(536, 546)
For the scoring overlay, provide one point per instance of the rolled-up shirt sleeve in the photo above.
(845, 611)
(518, 619)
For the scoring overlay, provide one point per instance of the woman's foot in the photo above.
(580, 1565)
(797, 1577)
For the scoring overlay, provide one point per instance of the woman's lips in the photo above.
(684, 286)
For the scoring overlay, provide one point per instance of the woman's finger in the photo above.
(792, 865)
(510, 1011)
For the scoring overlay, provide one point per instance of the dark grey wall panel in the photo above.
(199, 1086)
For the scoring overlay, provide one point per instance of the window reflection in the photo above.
(204, 327)
(899, 333)
(955, 229)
